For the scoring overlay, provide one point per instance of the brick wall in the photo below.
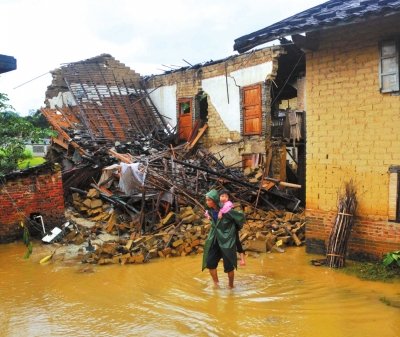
(352, 132)
(371, 236)
(189, 84)
(35, 191)
(120, 70)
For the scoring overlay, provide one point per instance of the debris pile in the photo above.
(272, 230)
(112, 240)
(123, 169)
(178, 235)
(152, 206)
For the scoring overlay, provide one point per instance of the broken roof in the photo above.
(100, 101)
(329, 14)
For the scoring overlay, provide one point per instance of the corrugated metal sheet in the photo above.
(328, 14)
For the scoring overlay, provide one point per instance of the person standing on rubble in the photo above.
(221, 240)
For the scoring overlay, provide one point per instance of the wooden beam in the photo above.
(199, 134)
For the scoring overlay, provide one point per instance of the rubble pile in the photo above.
(272, 230)
(153, 206)
(177, 234)
(149, 186)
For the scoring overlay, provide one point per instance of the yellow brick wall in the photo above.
(352, 129)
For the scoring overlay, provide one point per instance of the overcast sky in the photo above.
(43, 34)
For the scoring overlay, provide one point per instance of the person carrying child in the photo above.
(221, 239)
(225, 206)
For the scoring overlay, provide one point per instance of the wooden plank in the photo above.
(199, 135)
(125, 158)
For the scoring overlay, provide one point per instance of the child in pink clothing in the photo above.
(226, 207)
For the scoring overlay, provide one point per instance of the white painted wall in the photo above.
(164, 98)
(62, 99)
(251, 75)
(216, 88)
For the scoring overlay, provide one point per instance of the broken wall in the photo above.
(352, 133)
(37, 190)
(222, 82)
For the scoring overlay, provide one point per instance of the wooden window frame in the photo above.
(184, 100)
(396, 73)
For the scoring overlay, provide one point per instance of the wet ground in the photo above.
(275, 295)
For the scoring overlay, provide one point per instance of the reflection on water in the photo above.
(275, 295)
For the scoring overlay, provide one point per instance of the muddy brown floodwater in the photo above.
(275, 295)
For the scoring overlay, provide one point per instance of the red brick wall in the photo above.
(371, 236)
(39, 191)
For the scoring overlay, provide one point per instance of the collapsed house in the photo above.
(178, 134)
(139, 153)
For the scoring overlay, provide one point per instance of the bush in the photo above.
(392, 259)
(14, 132)
(371, 271)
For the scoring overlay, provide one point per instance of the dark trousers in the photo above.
(239, 247)
(214, 255)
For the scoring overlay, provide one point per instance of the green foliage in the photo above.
(371, 271)
(3, 103)
(31, 162)
(37, 119)
(14, 132)
(392, 259)
(28, 154)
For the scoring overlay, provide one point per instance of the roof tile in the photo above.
(328, 14)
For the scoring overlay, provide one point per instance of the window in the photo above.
(185, 106)
(251, 102)
(389, 65)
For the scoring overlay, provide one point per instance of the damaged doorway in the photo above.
(201, 107)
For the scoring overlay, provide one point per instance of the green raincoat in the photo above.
(223, 231)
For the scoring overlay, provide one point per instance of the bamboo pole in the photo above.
(341, 230)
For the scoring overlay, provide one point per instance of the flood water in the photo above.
(275, 295)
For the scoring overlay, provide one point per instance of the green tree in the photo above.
(37, 119)
(15, 131)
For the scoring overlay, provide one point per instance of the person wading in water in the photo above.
(221, 240)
